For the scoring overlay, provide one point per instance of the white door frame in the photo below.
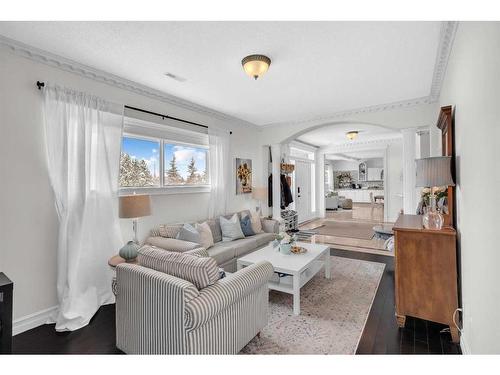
(312, 214)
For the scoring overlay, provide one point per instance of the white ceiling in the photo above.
(318, 68)
(336, 134)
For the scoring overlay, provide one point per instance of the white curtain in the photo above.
(218, 140)
(83, 139)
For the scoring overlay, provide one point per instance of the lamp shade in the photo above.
(433, 172)
(133, 206)
(259, 193)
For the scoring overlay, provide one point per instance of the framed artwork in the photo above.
(243, 176)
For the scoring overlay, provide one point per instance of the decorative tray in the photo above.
(298, 250)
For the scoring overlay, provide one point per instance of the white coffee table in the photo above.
(299, 268)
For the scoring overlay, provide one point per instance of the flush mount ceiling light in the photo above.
(352, 135)
(256, 65)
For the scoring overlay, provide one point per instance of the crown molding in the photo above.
(56, 61)
(343, 114)
(446, 38)
(372, 144)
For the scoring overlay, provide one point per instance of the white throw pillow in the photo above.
(256, 223)
(231, 228)
(206, 237)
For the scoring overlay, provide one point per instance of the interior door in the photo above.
(303, 190)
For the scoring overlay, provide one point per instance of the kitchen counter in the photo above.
(359, 195)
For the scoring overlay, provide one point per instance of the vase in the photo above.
(285, 248)
(129, 251)
(432, 219)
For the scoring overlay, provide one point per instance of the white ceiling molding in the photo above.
(447, 35)
(448, 31)
(351, 112)
(56, 61)
(346, 147)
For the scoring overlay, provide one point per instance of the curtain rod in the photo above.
(40, 85)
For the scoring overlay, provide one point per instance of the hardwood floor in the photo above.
(380, 336)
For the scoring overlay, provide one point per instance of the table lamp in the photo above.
(259, 194)
(432, 173)
(133, 207)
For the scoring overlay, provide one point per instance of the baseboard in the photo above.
(463, 344)
(31, 321)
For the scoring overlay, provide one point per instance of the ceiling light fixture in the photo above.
(352, 135)
(256, 65)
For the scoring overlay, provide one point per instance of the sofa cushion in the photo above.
(200, 271)
(189, 233)
(222, 252)
(246, 226)
(214, 225)
(244, 246)
(206, 238)
(172, 244)
(256, 223)
(231, 229)
(167, 230)
(264, 238)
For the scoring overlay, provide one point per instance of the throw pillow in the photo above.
(256, 223)
(215, 228)
(246, 226)
(201, 271)
(169, 230)
(188, 233)
(206, 237)
(231, 228)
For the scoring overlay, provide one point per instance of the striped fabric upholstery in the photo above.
(215, 298)
(153, 310)
(201, 271)
(149, 307)
(169, 230)
(200, 252)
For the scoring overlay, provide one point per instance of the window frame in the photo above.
(166, 189)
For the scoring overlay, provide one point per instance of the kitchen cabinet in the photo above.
(359, 195)
(375, 174)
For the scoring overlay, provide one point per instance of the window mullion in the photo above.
(162, 160)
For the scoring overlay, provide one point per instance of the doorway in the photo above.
(303, 195)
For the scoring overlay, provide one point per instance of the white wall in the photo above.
(472, 85)
(28, 221)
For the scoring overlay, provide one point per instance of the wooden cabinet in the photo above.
(425, 272)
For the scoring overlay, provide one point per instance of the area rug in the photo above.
(333, 312)
(362, 231)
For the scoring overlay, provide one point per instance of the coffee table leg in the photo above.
(327, 264)
(296, 294)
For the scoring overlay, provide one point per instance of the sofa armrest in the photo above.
(200, 251)
(227, 291)
(171, 244)
(270, 225)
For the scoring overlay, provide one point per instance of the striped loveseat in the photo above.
(157, 313)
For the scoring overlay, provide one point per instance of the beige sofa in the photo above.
(225, 253)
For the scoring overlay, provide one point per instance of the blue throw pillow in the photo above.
(246, 226)
(189, 233)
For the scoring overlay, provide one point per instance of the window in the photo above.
(160, 165)
(139, 163)
(184, 165)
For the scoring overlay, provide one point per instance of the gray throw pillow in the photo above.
(189, 233)
(231, 228)
(246, 226)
